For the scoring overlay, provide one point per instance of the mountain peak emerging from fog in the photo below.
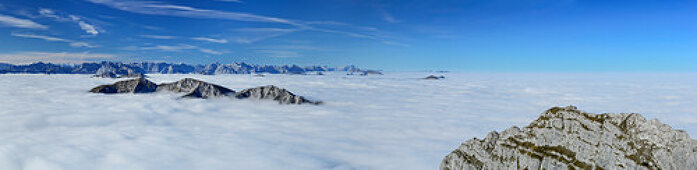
(193, 88)
(565, 137)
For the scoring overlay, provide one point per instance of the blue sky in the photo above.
(458, 35)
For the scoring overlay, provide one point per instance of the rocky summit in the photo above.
(567, 138)
(283, 96)
(433, 77)
(195, 88)
(200, 89)
(138, 85)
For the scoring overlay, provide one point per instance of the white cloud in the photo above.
(176, 48)
(251, 35)
(88, 28)
(170, 48)
(160, 8)
(393, 121)
(20, 23)
(222, 41)
(49, 13)
(82, 44)
(277, 53)
(53, 57)
(43, 37)
(72, 43)
(209, 51)
(165, 9)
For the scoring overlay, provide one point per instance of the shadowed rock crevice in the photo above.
(193, 88)
(567, 138)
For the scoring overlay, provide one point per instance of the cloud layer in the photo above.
(395, 121)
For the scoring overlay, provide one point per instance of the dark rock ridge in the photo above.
(200, 89)
(195, 88)
(273, 93)
(107, 69)
(139, 85)
(433, 77)
(567, 138)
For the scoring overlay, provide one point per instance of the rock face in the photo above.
(283, 96)
(433, 77)
(139, 85)
(567, 138)
(195, 88)
(106, 75)
(200, 89)
(114, 75)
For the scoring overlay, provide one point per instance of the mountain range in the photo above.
(118, 68)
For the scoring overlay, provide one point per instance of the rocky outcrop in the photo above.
(195, 88)
(283, 96)
(139, 85)
(433, 77)
(114, 75)
(200, 89)
(106, 75)
(567, 138)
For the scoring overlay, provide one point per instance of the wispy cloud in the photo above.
(222, 41)
(53, 57)
(72, 43)
(278, 53)
(160, 8)
(176, 48)
(237, 1)
(251, 35)
(20, 23)
(87, 27)
(166, 9)
(389, 18)
(160, 37)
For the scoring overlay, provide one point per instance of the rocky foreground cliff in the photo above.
(193, 88)
(567, 138)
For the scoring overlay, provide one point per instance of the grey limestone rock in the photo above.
(567, 138)
(195, 88)
(200, 89)
(283, 96)
(138, 85)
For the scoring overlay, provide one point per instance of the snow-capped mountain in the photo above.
(118, 68)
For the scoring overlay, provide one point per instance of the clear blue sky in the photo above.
(410, 35)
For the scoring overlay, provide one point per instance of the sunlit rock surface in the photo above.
(283, 96)
(195, 88)
(200, 89)
(564, 137)
(138, 85)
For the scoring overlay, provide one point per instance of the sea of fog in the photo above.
(392, 121)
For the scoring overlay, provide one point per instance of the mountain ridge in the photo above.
(568, 138)
(106, 68)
